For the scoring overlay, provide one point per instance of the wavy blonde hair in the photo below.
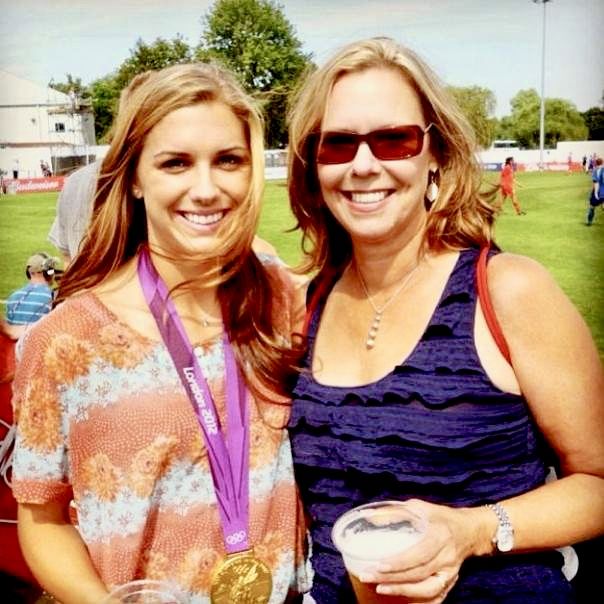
(461, 217)
(118, 228)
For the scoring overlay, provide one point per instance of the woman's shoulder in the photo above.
(85, 303)
(81, 313)
(516, 272)
(64, 338)
(518, 282)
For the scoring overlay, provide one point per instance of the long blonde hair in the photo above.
(118, 228)
(463, 214)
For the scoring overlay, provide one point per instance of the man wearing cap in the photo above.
(30, 302)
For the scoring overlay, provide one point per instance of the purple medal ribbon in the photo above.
(228, 458)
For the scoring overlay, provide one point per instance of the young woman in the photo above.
(407, 394)
(154, 395)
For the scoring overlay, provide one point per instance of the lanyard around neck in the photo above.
(228, 457)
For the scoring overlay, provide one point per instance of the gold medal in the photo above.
(242, 579)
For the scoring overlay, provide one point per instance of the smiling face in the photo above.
(193, 170)
(375, 200)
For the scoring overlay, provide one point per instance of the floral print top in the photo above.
(102, 418)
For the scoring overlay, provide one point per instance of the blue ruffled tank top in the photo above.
(434, 428)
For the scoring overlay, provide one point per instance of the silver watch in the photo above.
(504, 536)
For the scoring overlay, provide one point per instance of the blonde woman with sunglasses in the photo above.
(416, 387)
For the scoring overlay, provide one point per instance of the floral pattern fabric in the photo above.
(104, 420)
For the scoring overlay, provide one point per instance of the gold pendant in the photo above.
(243, 579)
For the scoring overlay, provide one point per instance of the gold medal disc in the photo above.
(243, 579)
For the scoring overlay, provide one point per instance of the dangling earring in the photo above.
(431, 191)
(138, 194)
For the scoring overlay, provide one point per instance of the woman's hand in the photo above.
(427, 571)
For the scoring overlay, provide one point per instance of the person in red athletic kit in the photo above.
(507, 186)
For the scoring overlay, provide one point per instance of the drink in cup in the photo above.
(371, 534)
(146, 591)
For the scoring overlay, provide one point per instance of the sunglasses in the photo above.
(401, 142)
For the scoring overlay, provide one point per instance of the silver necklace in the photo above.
(378, 312)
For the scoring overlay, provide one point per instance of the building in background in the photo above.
(528, 160)
(40, 124)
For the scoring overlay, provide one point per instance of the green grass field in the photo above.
(552, 232)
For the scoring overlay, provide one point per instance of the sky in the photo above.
(496, 44)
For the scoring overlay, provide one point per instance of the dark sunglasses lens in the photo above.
(397, 143)
(337, 148)
(387, 144)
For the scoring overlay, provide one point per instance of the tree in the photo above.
(143, 57)
(562, 120)
(157, 55)
(72, 84)
(504, 128)
(594, 120)
(105, 95)
(524, 119)
(255, 40)
(477, 104)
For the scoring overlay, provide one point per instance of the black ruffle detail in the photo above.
(435, 427)
(415, 444)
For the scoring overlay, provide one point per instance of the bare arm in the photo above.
(14, 332)
(560, 374)
(57, 555)
(558, 370)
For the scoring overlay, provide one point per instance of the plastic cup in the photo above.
(146, 591)
(371, 534)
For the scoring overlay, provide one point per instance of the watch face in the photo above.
(505, 539)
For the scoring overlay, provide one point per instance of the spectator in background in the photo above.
(29, 303)
(596, 197)
(507, 186)
(16, 169)
(46, 171)
(74, 207)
